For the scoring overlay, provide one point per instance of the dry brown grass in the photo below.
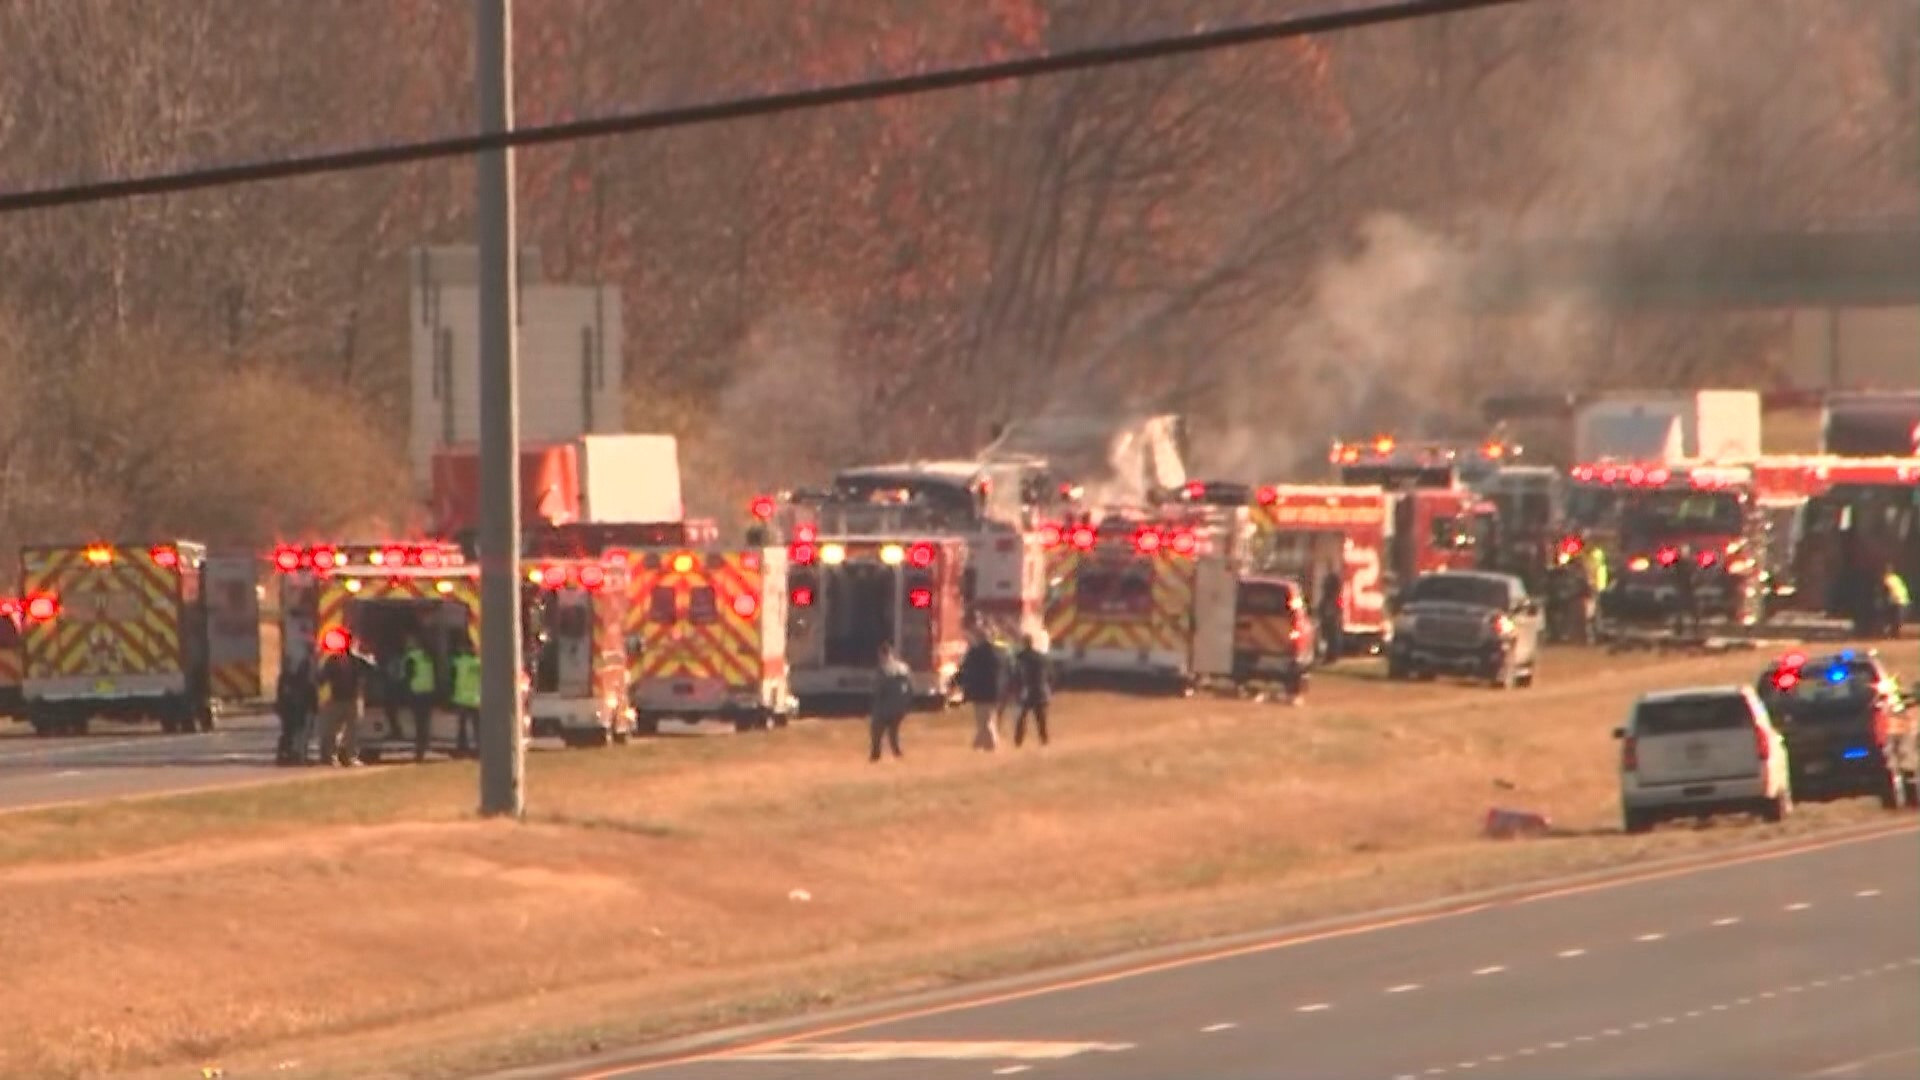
(651, 888)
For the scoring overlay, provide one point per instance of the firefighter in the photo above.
(1897, 600)
(465, 666)
(980, 680)
(420, 688)
(1328, 610)
(1033, 677)
(343, 679)
(892, 697)
(1570, 599)
(1684, 570)
(295, 700)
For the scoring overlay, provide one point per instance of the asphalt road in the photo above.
(1804, 965)
(132, 760)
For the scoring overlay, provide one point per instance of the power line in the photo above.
(631, 123)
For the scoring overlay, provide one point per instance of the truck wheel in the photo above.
(647, 725)
(1636, 822)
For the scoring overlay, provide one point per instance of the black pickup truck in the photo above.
(1849, 727)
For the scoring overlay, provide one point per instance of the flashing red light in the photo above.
(394, 556)
(592, 577)
(9, 607)
(1147, 541)
(1609, 475)
(920, 598)
(1083, 537)
(1794, 660)
(801, 553)
(165, 557)
(1050, 535)
(1184, 543)
(762, 507)
(43, 607)
(1571, 546)
(744, 605)
(287, 559)
(1786, 680)
(807, 533)
(553, 577)
(802, 596)
(335, 640)
(326, 558)
(1267, 496)
(427, 557)
(920, 554)
(1705, 559)
(617, 557)
(1196, 490)
(1636, 475)
(1658, 476)
(1668, 556)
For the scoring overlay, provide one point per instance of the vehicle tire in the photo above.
(742, 725)
(1775, 810)
(204, 716)
(1398, 669)
(370, 755)
(647, 725)
(1637, 822)
(781, 720)
(622, 737)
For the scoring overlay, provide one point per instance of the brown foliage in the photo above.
(1213, 234)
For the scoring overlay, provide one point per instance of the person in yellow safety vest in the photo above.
(1898, 600)
(1597, 568)
(466, 698)
(421, 684)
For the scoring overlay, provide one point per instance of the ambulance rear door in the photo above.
(233, 626)
(1215, 588)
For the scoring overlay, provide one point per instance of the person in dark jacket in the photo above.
(1332, 621)
(345, 673)
(1034, 677)
(892, 698)
(980, 679)
(296, 697)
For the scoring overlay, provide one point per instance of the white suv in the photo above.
(1694, 753)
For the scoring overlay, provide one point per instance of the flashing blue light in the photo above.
(1855, 754)
(1836, 674)
(1846, 654)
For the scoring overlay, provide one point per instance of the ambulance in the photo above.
(851, 594)
(1122, 602)
(298, 570)
(116, 631)
(575, 675)
(712, 636)
(1302, 531)
(12, 660)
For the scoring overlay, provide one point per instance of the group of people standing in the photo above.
(992, 677)
(406, 683)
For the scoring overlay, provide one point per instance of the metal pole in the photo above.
(503, 759)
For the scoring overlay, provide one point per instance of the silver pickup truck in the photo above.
(1466, 622)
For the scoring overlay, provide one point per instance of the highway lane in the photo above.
(127, 760)
(1802, 965)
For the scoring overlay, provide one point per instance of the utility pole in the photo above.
(502, 754)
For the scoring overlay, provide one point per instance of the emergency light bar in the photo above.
(1384, 449)
(288, 558)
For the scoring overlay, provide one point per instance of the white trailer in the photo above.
(1654, 426)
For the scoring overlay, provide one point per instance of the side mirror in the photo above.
(1619, 733)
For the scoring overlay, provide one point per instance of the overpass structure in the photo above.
(1859, 268)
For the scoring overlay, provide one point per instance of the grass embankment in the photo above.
(654, 887)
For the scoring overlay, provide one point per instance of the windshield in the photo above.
(1261, 598)
(1684, 716)
(1661, 515)
(1458, 589)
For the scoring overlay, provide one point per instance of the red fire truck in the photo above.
(1306, 530)
(1855, 519)
(1673, 530)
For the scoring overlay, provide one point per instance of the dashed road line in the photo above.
(1568, 954)
(1655, 936)
(1012, 1070)
(1318, 1006)
(1403, 988)
(1491, 969)
(1728, 920)
(1798, 905)
(1211, 1028)
(1865, 893)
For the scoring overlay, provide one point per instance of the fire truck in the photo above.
(851, 594)
(1304, 531)
(1854, 519)
(1652, 517)
(299, 569)
(579, 684)
(115, 630)
(987, 505)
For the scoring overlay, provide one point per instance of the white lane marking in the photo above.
(1798, 905)
(1583, 1038)
(1012, 1070)
(1568, 954)
(1611, 1032)
(64, 774)
(1435, 1071)
(1403, 988)
(1211, 1028)
(1525, 1051)
(1791, 990)
(1556, 1046)
(1727, 921)
(1495, 1059)
(1863, 894)
(1655, 936)
(927, 1050)
(1465, 1065)
(1491, 969)
(1766, 994)
(1318, 1006)
(1847, 1067)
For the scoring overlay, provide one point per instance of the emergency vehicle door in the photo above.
(1215, 588)
(570, 622)
(233, 625)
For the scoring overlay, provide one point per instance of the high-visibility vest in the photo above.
(1597, 563)
(466, 681)
(1897, 587)
(419, 671)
